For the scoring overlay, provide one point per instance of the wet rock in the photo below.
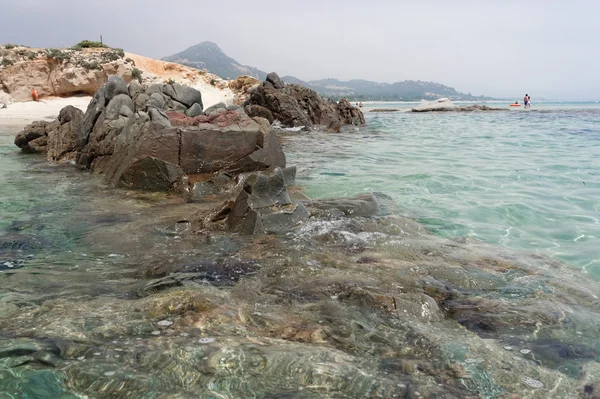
(153, 174)
(363, 205)
(262, 206)
(34, 137)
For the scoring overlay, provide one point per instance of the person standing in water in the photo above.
(528, 101)
(525, 100)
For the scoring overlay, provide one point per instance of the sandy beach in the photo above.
(23, 113)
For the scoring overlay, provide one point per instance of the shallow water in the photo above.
(527, 180)
(108, 293)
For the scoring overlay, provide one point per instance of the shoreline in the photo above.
(20, 114)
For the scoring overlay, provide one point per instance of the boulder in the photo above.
(114, 86)
(194, 110)
(114, 107)
(215, 108)
(94, 109)
(443, 104)
(159, 117)
(262, 206)
(259, 111)
(275, 80)
(294, 106)
(156, 100)
(210, 150)
(183, 94)
(62, 142)
(152, 174)
(34, 137)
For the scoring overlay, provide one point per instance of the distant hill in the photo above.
(364, 90)
(210, 57)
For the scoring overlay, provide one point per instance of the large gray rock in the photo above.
(194, 110)
(271, 154)
(134, 88)
(159, 117)
(275, 80)
(114, 86)
(152, 174)
(94, 109)
(183, 94)
(218, 107)
(262, 206)
(114, 107)
(206, 151)
(34, 137)
(156, 100)
(62, 142)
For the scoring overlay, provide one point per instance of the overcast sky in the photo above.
(547, 48)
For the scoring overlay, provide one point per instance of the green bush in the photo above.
(10, 46)
(88, 44)
(171, 81)
(57, 54)
(32, 55)
(213, 82)
(89, 65)
(130, 61)
(137, 74)
(22, 52)
(113, 55)
(7, 62)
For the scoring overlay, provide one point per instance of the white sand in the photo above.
(212, 95)
(21, 114)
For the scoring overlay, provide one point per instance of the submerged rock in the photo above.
(444, 104)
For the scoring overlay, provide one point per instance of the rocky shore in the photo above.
(232, 282)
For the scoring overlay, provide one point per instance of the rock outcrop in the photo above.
(62, 73)
(262, 205)
(153, 138)
(242, 86)
(444, 105)
(294, 105)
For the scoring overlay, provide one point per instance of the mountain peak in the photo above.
(209, 56)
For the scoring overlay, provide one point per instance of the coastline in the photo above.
(20, 114)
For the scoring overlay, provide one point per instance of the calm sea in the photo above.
(526, 179)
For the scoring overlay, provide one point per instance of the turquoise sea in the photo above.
(109, 293)
(525, 179)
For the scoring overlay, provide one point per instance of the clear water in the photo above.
(524, 179)
(108, 293)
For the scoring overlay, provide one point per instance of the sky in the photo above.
(502, 48)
